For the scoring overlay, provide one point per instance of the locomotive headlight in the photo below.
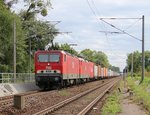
(57, 71)
(39, 71)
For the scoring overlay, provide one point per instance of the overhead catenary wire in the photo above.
(91, 8)
(132, 25)
(95, 7)
(120, 29)
(124, 31)
(95, 14)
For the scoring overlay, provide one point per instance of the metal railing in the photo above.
(19, 78)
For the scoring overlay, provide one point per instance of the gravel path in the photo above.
(129, 107)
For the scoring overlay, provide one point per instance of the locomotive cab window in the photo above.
(48, 58)
(54, 57)
(43, 57)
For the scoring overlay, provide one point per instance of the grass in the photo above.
(142, 96)
(112, 105)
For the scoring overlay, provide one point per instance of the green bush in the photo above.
(112, 106)
(141, 94)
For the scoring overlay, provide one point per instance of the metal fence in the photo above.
(17, 78)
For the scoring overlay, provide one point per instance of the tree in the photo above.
(113, 68)
(6, 41)
(99, 57)
(67, 48)
(87, 54)
(27, 29)
(40, 33)
(147, 60)
(136, 61)
(34, 7)
(137, 57)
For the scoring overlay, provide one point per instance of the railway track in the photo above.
(90, 106)
(74, 104)
(8, 101)
(39, 101)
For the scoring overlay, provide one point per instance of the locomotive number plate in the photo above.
(48, 67)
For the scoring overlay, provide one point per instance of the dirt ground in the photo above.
(129, 107)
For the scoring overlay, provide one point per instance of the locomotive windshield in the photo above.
(43, 58)
(48, 57)
(54, 58)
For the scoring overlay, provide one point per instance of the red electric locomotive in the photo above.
(55, 68)
(86, 70)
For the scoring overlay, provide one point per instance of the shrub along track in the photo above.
(42, 100)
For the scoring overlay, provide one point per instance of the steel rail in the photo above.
(67, 101)
(5, 103)
(88, 108)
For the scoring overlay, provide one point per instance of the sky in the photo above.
(82, 19)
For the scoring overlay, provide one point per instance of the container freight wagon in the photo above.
(109, 73)
(96, 71)
(102, 72)
(99, 71)
(106, 72)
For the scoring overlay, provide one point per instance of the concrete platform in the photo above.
(11, 89)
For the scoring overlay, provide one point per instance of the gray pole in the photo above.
(132, 66)
(30, 55)
(14, 27)
(143, 57)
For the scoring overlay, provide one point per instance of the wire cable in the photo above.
(120, 30)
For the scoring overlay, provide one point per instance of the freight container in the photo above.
(99, 71)
(106, 72)
(95, 71)
(109, 72)
(102, 72)
(90, 70)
